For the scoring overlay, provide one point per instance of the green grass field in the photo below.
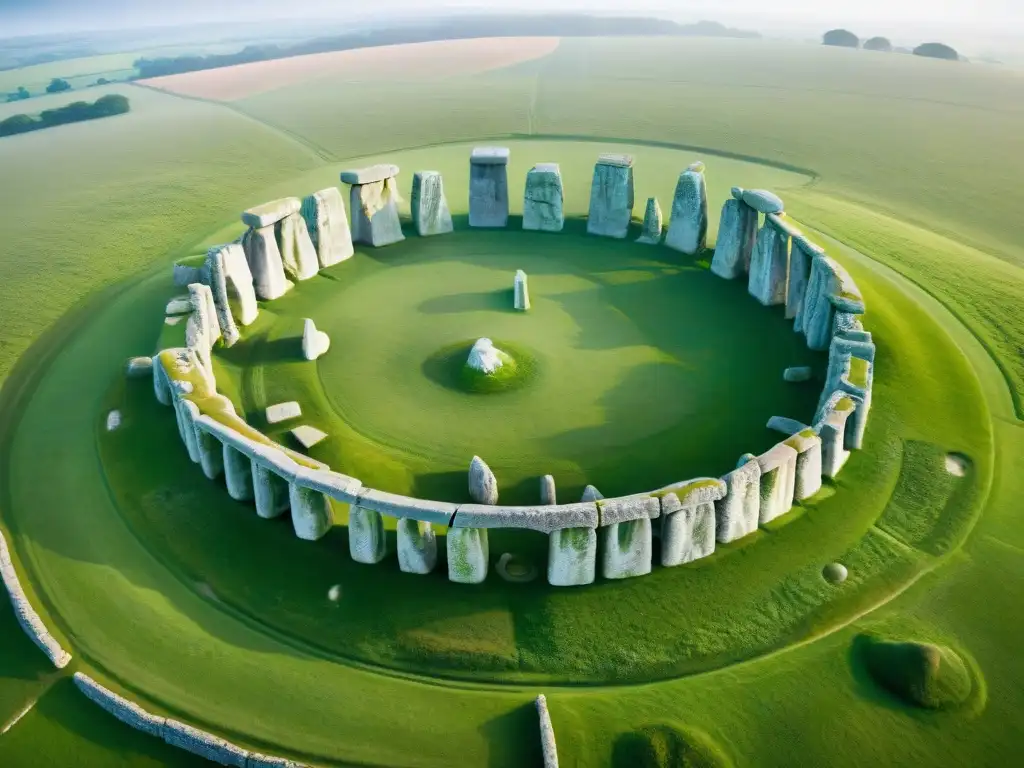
(169, 592)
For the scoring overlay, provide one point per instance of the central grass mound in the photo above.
(448, 367)
(920, 674)
(667, 746)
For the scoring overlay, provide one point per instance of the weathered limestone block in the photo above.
(327, 224)
(184, 274)
(270, 491)
(831, 428)
(308, 436)
(769, 266)
(126, 711)
(807, 477)
(611, 196)
(314, 343)
(548, 749)
(374, 203)
(211, 454)
(548, 494)
(851, 370)
(179, 305)
(762, 201)
(688, 227)
(405, 507)
(785, 425)
(688, 520)
(830, 290)
(430, 214)
(650, 233)
(264, 258)
(138, 367)
(283, 411)
(366, 542)
(543, 199)
(186, 412)
(483, 485)
(468, 551)
(417, 546)
(268, 214)
(232, 287)
(520, 291)
(238, 474)
(203, 744)
(485, 357)
(778, 478)
(572, 557)
(627, 536)
(298, 254)
(544, 518)
(737, 233)
(590, 493)
(161, 384)
(311, 512)
(113, 420)
(737, 514)
(801, 256)
(798, 374)
(488, 187)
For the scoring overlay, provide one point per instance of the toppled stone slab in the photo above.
(298, 255)
(314, 343)
(468, 553)
(769, 266)
(807, 481)
(308, 436)
(124, 710)
(763, 201)
(798, 374)
(611, 196)
(543, 518)
(572, 556)
(268, 214)
(483, 485)
(370, 174)
(283, 411)
(374, 205)
(520, 291)
(179, 305)
(430, 214)
(417, 546)
(327, 224)
(548, 494)
(138, 367)
(488, 187)
(203, 744)
(785, 425)
(543, 199)
(778, 477)
(590, 493)
(628, 508)
(366, 542)
(548, 749)
(737, 513)
(687, 531)
(737, 234)
(650, 232)
(688, 227)
(264, 258)
(231, 278)
(393, 505)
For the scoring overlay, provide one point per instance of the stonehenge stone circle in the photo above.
(485, 357)
(520, 291)
(298, 255)
(807, 477)
(627, 536)
(590, 493)
(688, 226)
(311, 512)
(572, 556)
(769, 266)
(283, 411)
(611, 196)
(374, 204)
(488, 187)
(483, 486)
(314, 343)
(327, 224)
(430, 214)
(543, 199)
(650, 233)
(762, 201)
(417, 546)
(366, 542)
(468, 552)
(737, 514)
(778, 478)
(548, 494)
(737, 233)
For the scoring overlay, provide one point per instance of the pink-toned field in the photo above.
(413, 61)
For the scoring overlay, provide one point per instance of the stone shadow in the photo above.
(500, 300)
(514, 739)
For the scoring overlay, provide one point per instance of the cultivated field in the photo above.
(165, 590)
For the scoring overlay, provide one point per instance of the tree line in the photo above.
(105, 106)
(844, 38)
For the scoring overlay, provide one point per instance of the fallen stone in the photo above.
(264, 258)
(314, 343)
(483, 486)
(737, 513)
(113, 420)
(807, 480)
(298, 255)
(687, 532)
(543, 199)
(138, 367)
(232, 288)
(785, 425)
(548, 748)
(650, 232)
(430, 214)
(369, 175)
(488, 187)
(590, 493)
(627, 549)
(308, 436)
(611, 196)
(283, 411)
(327, 224)
(417, 546)
(468, 552)
(548, 495)
(688, 227)
(521, 291)
(174, 320)
(763, 201)
(268, 214)
(835, 573)
(798, 374)
(180, 305)
(769, 267)
(572, 557)
(778, 477)
(375, 218)
(366, 542)
(485, 357)
(737, 234)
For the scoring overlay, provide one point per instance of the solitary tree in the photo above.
(57, 86)
(111, 104)
(937, 51)
(878, 44)
(843, 38)
(20, 94)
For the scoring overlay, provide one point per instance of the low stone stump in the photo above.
(737, 234)
(778, 481)
(488, 187)
(430, 214)
(738, 513)
(327, 224)
(801, 257)
(650, 232)
(417, 546)
(468, 551)
(311, 512)
(627, 536)
(831, 428)
(688, 521)
(298, 254)
(807, 477)
(238, 474)
(374, 203)
(688, 227)
(544, 199)
(230, 277)
(572, 556)
(366, 542)
(548, 493)
(769, 267)
(611, 196)
(270, 491)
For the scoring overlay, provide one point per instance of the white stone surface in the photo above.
(375, 219)
(366, 542)
(264, 258)
(737, 234)
(572, 557)
(688, 227)
(232, 288)
(769, 267)
(611, 196)
(737, 513)
(800, 259)
(798, 374)
(763, 201)
(179, 305)
(270, 491)
(268, 214)
(483, 486)
(520, 291)
(468, 552)
(650, 233)
(543, 199)
(238, 474)
(430, 214)
(417, 546)
(488, 187)
(807, 477)
(778, 481)
(298, 255)
(327, 224)
(785, 425)
(627, 549)
(283, 411)
(484, 357)
(369, 175)
(113, 420)
(548, 493)
(211, 454)
(308, 436)
(311, 512)
(138, 367)
(590, 493)
(314, 343)
(549, 751)
(687, 532)
(175, 320)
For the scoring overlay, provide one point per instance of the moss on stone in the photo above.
(858, 372)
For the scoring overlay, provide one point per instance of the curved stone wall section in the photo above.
(782, 267)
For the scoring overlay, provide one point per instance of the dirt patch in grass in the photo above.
(416, 60)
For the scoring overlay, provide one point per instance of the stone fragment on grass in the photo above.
(485, 357)
(113, 420)
(737, 233)
(769, 266)
(430, 214)
(264, 258)
(327, 224)
(785, 425)
(283, 411)
(548, 494)
(179, 305)
(483, 485)
(314, 343)
(650, 232)
(611, 196)
(543, 199)
(374, 202)
(468, 552)
(738, 512)
(366, 542)
(520, 291)
(590, 493)
(763, 201)
(298, 254)
(688, 227)
(417, 546)
(268, 214)
(231, 279)
(807, 473)
(572, 557)
(548, 748)
(138, 367)
(798, 374)
(488, 187)
(308, 436)
(203, 744)
(778, 478)
(311, 512)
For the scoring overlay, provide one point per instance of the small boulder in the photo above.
(834, 573)
(798, 374)
(314, 342)
(483, 485)
(485, 357)
(138, 367)
(283, 411)
(308, 436)
(763, 201)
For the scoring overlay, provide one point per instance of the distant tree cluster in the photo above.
(19, 95)
(878, 44)
(937, 51)
(58, 86)
(105, 106)
(844, 38)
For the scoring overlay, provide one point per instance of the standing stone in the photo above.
(521, 292)
(230, 278)
(237, 474)
(488, 187)
(769, 266)
(374, 202)
(366, 542)
(650, 233)
(270, 491)
(430, 214)
(468, 553)
(483, 485)
(627, 536)
(311, 512)
(590, 493)
(807, 479)
(687, 533)
(211, 454)
(737, 514)
(572, 557)
(298, 256)
(314, 343)
(831, 429)
(778, 481)
(801, 257)
(327, 224)
(737, 233)
(417, 546)
(688, 227)
(543, 199)
(611, 196)
(548, 494)
(265, 265)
